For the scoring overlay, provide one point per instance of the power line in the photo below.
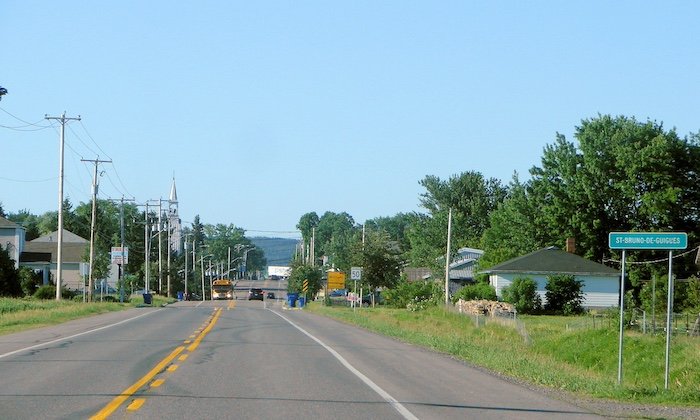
(652, 261)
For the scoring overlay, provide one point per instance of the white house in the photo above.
(601, 284)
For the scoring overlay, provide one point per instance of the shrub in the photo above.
(475, 292)
(49, 292)
(522, 293)
(414, 295)
(29, 280)
(564, 295)
(692, 298)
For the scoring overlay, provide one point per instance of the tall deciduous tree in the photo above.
(380, 258)
(625, 175)
(470, 196)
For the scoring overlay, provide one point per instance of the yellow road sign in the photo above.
(336, 280)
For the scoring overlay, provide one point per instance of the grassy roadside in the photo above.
(580, 360)
(23, 314)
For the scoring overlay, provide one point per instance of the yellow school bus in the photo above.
(222, 289)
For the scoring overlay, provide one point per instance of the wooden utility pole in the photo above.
(59, 255)
(95, 183)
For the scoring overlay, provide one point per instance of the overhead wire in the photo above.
(652, 261)
(26, 123)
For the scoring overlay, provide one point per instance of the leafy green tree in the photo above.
(9, 276)
(470, 196)
(28, 221)
(564, 294)
(624, 175)
(380, 259)
(306, 224)
(513, 228)
(334, 235)
(301, 272)
(394, 226)
(522, 293)
(220, 238)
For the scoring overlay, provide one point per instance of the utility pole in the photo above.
(160, 247)
(122, 265)
(59, 255)
(447, 258)
(93, 223)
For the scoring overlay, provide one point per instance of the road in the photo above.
(247, 360)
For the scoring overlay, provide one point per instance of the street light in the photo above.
(201, 262)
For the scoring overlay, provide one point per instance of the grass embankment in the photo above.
(581, 360)
(23, 314)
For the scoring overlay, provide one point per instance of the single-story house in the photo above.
(601, 284)
(73, 250)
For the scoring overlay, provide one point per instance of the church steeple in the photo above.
(174, 220)
(173, 193)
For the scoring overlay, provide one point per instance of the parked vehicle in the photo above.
(338, 293)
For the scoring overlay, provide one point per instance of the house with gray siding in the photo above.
(12, 239)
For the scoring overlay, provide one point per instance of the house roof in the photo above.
(68, 237)
(552, 260)
(6, 223)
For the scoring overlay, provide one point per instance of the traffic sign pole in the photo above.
(648, 241)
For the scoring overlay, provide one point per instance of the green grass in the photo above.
(23, 314)
(563, 353)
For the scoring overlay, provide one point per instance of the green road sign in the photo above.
(648, 240)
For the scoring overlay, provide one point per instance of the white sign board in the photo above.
(118, 253)
(356, 273)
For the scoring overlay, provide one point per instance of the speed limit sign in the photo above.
(356, 273)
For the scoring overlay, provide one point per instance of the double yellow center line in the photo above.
(160, 367)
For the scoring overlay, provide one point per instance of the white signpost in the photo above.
(355, 276)
(649, 241)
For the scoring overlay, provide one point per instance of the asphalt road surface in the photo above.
(246, 360)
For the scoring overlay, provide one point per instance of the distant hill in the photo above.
(278, 251)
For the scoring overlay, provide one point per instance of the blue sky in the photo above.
(264, 111)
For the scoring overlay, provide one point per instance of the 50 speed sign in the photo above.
(356, 273)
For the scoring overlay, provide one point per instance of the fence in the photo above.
(645, 323)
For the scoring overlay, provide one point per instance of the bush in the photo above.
(29, 280)
(475, 292)
(564, 295)
(49, 292)
(522, 293)
(414, 295)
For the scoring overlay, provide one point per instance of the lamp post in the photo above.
(201, 263)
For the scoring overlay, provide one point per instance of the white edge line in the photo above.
(46, 343)
(387, 397)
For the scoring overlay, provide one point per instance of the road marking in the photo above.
(157, 383)
(162, 365)
(387, 397)
(183, 357)
(75, 335)
(119, 400)
(172, 368)
(136, 404)
(199, 339)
